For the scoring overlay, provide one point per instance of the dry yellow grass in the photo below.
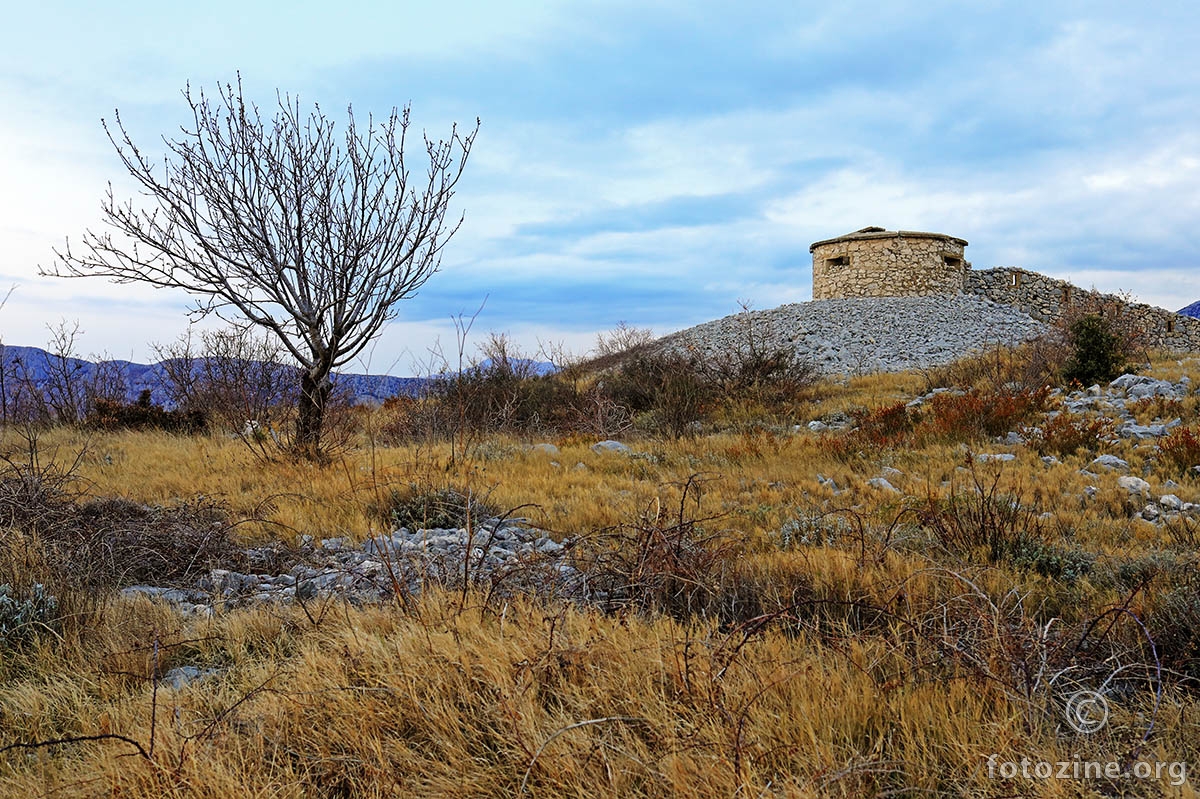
(831, 691)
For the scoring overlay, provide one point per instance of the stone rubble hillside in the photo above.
(849, 336)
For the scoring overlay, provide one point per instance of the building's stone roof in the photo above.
(880, 233)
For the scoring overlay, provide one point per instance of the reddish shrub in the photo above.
(879, 428)
(144, 415)
(1180, 449)
(976, 414)
(1066, 434)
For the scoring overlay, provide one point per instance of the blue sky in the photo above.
(649, 162)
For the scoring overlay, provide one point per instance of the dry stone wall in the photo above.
(888, 264)
(1051, 301)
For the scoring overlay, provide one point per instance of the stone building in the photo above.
(874, 262)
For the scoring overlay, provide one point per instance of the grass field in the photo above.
(788, 639)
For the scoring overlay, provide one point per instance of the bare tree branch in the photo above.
(309, 234)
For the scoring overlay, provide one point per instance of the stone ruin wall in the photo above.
(888, 265)
(1051, 301)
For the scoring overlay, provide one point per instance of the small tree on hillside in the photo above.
(313, 236)
(1096, 353)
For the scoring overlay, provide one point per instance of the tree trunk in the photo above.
(315, 388)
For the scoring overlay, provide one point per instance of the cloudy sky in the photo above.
(653, 162)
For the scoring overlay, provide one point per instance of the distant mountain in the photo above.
(538, 368)
(39, 365)
(1191, 310)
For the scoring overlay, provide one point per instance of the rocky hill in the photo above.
(847, 336)
(1192, 310)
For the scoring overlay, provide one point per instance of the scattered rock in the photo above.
(1141, 431)
(1001, 457)
(1170, 502)
(611, 446)
(1134, 485)
(1140, 386)
(829, 483)
(183, 676)
(1111, 463)
(883, 485)
(507, 555)
(172, 595)
(548, 449)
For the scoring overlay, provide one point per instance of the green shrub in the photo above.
(1049, 560)
(1096, 351)
(448, 508)
(22, 619)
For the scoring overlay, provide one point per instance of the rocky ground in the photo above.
(507, 555)
(1110, 402)
(856, 336)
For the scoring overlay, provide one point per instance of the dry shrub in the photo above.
(1180, 449)
(418, 507)
(105, 543)
(1175, 625)
(98, 544)
(978, 413)
(144, 415)
(1000, 639)
(947, 417)
(878, 428)
(1156, 407)
(1067, 433)
(621, 339)
(1026, 367)
(981, 519)
(665, 562)
(230, 376)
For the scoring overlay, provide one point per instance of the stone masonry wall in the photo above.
(887, 265)
(1049, 300)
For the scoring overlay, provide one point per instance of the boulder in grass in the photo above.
(611, 446)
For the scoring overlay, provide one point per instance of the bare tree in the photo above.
(282, 224)
(622, 338)
(63, 381)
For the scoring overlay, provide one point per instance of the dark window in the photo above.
(841, 260)
(951, 261)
